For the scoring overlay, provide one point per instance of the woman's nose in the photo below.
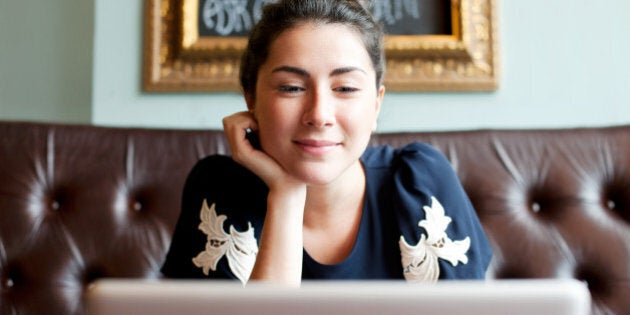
(320, 110)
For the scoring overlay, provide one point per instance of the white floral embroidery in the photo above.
(420, 262)
(240, 247)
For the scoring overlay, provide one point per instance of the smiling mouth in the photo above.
(316, 147)
(316, 143)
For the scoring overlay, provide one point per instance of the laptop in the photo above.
(514, 297)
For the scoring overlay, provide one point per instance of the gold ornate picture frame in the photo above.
(178, 59)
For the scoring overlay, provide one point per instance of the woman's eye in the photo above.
(290, 88)
(346, 89)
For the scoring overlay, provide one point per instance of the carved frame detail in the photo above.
(177, 59)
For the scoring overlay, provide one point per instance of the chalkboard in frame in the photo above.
(431, 45)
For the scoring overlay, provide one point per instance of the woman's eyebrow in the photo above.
(340, 71)
(290, 69)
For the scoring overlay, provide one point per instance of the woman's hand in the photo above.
(235, 127)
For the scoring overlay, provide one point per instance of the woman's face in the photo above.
(316, 101)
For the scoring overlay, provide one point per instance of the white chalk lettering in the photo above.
(391, 11)
(226, 16)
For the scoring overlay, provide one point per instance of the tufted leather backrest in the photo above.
(80, 202)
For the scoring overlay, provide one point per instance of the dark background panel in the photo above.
(399, 17)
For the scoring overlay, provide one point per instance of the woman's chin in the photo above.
(316, 176)
(317, 179)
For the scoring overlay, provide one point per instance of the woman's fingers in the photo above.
(244, 147)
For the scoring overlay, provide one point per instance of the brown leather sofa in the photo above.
(78, 203)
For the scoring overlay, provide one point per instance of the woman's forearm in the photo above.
(279, 258)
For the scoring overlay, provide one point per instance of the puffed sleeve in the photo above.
(442, 237)
(215, 235)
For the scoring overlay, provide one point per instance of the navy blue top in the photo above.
(399, 183)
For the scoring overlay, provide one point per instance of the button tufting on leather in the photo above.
(616, 197)
(7, 283)
(55, 205)
(56, 197)
(137, 206)
(535, 207)
(11, 277)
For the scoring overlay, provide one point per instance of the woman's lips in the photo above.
(316, 147)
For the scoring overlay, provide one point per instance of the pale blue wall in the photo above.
(46, 60)
(564, 64)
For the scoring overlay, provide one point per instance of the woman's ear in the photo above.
(379, 101)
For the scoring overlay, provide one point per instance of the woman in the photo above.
(332, 209)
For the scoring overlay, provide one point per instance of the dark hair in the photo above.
(286, 14)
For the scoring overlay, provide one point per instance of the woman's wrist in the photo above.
(280, 252)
